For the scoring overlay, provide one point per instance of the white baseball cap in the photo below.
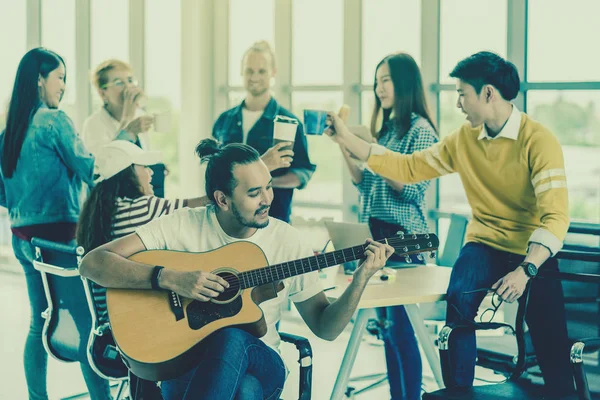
(119, 155)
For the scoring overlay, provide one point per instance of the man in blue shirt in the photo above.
(251, 122)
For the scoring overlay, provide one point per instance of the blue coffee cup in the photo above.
(315, 122)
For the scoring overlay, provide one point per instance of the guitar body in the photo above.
(157, 346)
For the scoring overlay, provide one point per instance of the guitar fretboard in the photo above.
(278, 272)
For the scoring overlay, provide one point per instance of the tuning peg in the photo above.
(408, 259)
(420, 257)
(414, 236)
(426, 236)
(400, 234)
(432, 254)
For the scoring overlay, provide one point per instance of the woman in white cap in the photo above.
(122, 200)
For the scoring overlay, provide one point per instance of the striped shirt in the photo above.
(379, 200)
(130, 215)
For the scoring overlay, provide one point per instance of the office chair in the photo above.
(582, 305)
(71, 333)
(510, 389)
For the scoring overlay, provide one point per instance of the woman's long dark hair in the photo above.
(409, 94)
(95, 221)
(25, 101)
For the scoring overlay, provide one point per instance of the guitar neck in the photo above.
(278, 272)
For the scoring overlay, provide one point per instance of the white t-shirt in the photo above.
(198, 230)
(249, 118)
(129, 215)
(101, 128)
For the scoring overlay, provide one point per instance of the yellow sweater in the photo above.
(517, 189)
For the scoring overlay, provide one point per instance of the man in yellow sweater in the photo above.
(513, 173)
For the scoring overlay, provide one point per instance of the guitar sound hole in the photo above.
(234, 286)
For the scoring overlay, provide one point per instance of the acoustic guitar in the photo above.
(159, 333)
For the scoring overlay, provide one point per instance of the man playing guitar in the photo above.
(233, 363)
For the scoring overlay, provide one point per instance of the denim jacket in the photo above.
(47, 183)
(228, 129)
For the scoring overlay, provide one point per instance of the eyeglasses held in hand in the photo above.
(496, 303)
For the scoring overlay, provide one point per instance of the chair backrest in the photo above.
(454, 240)
(68, 320)
(70, 332)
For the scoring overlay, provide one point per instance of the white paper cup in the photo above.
(284, 132)
(162, 122)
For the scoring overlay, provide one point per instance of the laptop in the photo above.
(346, 234)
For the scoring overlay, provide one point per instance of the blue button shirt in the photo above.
(228, 129)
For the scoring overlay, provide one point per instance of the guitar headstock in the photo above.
(404, 245)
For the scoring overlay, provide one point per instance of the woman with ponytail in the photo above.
(43, 165)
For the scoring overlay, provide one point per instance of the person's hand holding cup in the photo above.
(284, 135)
(336, 128)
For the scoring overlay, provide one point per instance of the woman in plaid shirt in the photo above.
(390, 206)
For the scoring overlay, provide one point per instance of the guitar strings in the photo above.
(255, 274)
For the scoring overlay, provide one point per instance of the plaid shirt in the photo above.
(379, 200)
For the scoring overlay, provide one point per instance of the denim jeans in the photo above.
(234, 365)
(404, 367)
(480, 266)
(35, 358)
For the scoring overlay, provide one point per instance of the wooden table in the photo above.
(411, 285)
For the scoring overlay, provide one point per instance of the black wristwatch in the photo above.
(530, 269)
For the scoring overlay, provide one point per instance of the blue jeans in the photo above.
(404, 366)
(35, 358)
(234, 365)
(480, 266)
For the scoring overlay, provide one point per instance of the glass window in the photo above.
(451, 192)
(317, 38)
(557, 33)
(249, 21)
(108, 43)
(13, 25)
(469, 26)
(61, 39)
(326, 183)
(162, 83)
(367, 99)
(574, 117)
(389, 26)
(110, 30)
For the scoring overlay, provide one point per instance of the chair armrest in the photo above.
(60, 247)
(301, 343)
(578, 349)
(305, 361)
(55, 270)
(583, 346)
